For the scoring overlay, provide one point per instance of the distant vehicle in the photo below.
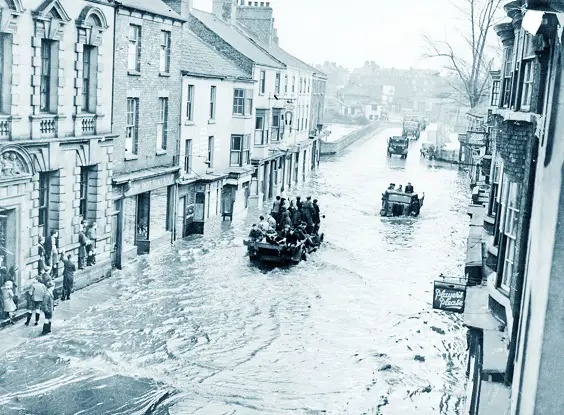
(396, 203)
(398, 145)
(411, 129)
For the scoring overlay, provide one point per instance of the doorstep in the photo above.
(83, 278)
(495, 352)
(495, 399)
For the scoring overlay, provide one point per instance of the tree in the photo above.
(472, 66)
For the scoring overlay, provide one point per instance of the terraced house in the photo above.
(56, 141)
(513, 332)
(146, 115)
(281, 149)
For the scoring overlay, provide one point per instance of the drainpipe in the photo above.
(114, 65)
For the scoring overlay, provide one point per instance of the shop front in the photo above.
(145, 211)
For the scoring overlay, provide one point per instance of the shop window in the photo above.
(143, 216)
(8, 238)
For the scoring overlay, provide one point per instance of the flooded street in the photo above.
(197, 330)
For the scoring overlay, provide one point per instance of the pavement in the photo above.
(81, 301)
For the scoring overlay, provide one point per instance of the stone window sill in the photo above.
(165, 74)
(133, 73)
(189, 122)
(161, 152)
(242, 117)
(211, 121)
(130, 156)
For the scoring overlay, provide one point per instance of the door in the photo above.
(247, 191)
(142, 221)
(227, 200)
(116, 241)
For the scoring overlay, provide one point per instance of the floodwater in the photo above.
(338, 131)
(198, 330)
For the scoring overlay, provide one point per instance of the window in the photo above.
(285, 83)
(134, 49)
(261, 133)
(509, 223)
(132, 127)
(212, 103)
(527, 84)
(164, 58)
(89, 78)
(262, 83)
(277, 127)
(242, 101)
(188, 156)
(190, 103)
(277, 83)
(210, 152)
(308, 84)
(46, 81)
(84, 177)
(495, 93)
(162, 124)
(507, 69)
(306, 116)
(293, 84)
(240, 150)
(44, 201)
(301, 85)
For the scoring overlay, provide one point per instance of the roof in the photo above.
(200, 59)
(151, 6)
(276, 51)
(236, 39)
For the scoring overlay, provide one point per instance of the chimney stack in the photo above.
(225, 10)
(259, 19)
(182, 7)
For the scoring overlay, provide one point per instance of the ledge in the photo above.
(161, 152)
(211, 121)
(476, 313)
(165, 74)
(133, 73)
(129, 157)
(495, 398)
(500, 298)
(242, 117)
(510, 115)
(189, 122)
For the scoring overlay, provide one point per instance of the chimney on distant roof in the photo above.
(275, 36)
(257, 16)
(226, 10)
(182, 7)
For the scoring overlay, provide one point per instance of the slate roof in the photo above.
(278, 52)
(152, 6)
(200, 59)
(236, 39)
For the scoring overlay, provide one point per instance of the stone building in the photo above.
(493, 306)
(474, 145)
(56, 141)
(146, 115)
(216, 133)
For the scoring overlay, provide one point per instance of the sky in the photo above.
(351, 32)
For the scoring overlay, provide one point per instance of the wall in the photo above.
(334, 147)
(259, 20)
(224, 125)
(148, 86)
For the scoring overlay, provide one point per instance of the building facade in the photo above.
(498, 245)
(216, 137)
(56, 141)
(318, 93)
(146, 115)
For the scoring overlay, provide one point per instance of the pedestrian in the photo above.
(409, 188)
(52, 253)
(68, 277)
(91, 248)
(299, 202)
(83, 241)
(8, 303)
(47, 306)
(41, 264)
(36, 293)
(275, 212)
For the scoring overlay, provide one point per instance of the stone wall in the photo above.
(335, 147)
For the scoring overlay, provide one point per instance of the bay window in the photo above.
(507, 70)
(277, 128)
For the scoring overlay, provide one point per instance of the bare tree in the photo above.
(471, 69)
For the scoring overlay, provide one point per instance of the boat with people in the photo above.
(288, 234)
(401, 202)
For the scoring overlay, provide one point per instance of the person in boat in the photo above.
(409, 188)
(285, 220)
(271, 236)
(400, 188)
(255, 234)
(316, 216)
(275, 212)
(264, 226)
(307, 214)
(272, 223)
(303, 235)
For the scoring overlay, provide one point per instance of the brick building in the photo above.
(56, 145)
(147, 116)
(499, 232)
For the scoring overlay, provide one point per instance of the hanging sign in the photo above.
(448, 296)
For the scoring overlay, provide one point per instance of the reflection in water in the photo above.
(199, 330)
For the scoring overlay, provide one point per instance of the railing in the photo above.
(89, 126)
(48, 126)
(4, 128)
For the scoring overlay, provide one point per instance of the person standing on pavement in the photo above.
(47, 305)
(84, 242)
(68, 277)
(36, 293)
(91, 248)
(8, 300)
(41, 264)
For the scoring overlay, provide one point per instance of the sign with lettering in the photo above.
(448, 296)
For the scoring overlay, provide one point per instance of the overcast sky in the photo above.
(353, 31)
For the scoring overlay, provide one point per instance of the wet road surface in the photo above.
(197, 330)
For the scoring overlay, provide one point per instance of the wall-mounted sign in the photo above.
(448, 296)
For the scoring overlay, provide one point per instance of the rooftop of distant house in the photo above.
(152, 6)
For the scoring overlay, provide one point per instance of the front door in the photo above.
(142, 221)
(116, 241)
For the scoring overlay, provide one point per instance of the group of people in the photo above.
(289, 223)
(392, 188)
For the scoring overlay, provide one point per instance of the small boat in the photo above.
(396, 203)
(263, 251)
